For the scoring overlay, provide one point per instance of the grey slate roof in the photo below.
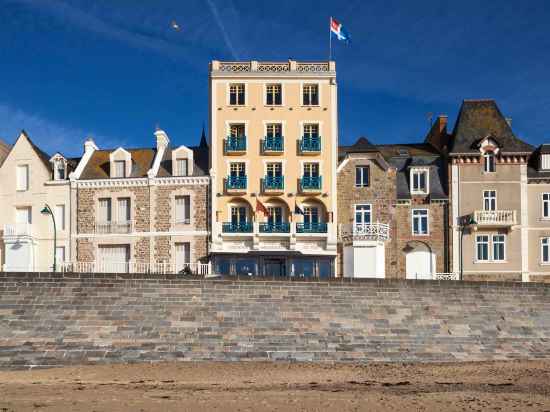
(362, 145)
(479, 119)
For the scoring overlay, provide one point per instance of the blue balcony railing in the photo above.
(237, 227)
(274, 183)
(281, 227)
(235, 182)
(273, 144)
(310, 183)
(311, 227)
(310, 144)
(235, 144)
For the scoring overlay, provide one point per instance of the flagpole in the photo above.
(329, 38)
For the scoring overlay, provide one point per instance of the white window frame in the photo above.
(493, 248)
(487, 164)
(362, 173)
(109, 202)
(266, 87)
(545, 161)
(419, 171)
(547, 203)
(488, 243)
(186, 206)
(116, 165)
(487, 197)
(420, 217)
(307, 84)
(362, 208)
(229, 85)
(126, 210)
(60, 216)
(179, 162)
(23, 171)
(58, 258)
(544, 242)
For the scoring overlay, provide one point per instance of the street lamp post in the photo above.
(48, 211)
(465, 221)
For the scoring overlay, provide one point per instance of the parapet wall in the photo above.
(52, 320)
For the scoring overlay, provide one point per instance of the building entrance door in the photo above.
(275, 267)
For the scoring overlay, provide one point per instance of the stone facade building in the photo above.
(142, 210)
(392, 211)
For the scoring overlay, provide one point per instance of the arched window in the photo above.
(489, 164)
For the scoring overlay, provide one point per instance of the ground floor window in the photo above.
(490, 248)
(275, 266)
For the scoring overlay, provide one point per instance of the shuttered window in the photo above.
(104, 214)
(23, 177)
(183, 205)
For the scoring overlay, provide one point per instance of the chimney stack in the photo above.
(162, 139)
(89, 145)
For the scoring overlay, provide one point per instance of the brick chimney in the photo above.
(437, 136)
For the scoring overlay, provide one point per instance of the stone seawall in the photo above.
(52, 320)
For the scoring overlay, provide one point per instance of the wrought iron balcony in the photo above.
(106, 228)
(365, 231)
(235, 183)
(273, 144)
(310, 183)
(235, 144)
(273, 183)
(282, 227)
(310, 144)
(237, 227)
(311, 227)
(495, 218)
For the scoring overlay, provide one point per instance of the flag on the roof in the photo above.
(338, 30)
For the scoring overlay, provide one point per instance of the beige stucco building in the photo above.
(273, 134)
(31, 180)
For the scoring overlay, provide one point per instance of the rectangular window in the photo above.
(60, 254)
(120, 168)
(104, 210)
(183, 256)
(419, 181)
(311, 130)
(274, 169)
(420, 221)
(237, 169)
(363, 214)
(274, 95)
(237, 130)
(124, 210)
(310, 95)
(489, 200)
(311, 169)
(238, 214)
(59, 170)
(60, 217)
(482, 248)
(361, 176)
(489, 162)
(183, 207)
(274, 130)
(23, 177)
(546, 205)
(275, 215)
(545, 250)
(181, 167)
(545, 161)
(23, 215)
(236, 94)
(499, 247)
(311, 214)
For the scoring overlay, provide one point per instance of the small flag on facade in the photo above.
(297, 210)
(261, 208)
(338, 30)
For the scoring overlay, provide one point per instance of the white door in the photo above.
(183, 258)
(419, 263)
(113, 258)
(364, 262)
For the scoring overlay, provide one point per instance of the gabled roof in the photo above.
(479, 119)
(4, 151)
(362, 145)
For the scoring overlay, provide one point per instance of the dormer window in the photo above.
(545, 161)
(489, 164)
(120, 168)
(59, 166)
(182, 161)
(120, 163)
(419, 181)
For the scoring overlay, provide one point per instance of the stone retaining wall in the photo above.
(52, 320)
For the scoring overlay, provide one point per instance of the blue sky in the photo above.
(114, 69)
